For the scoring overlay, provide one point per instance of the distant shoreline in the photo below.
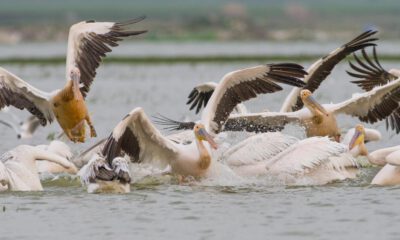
(184, 59)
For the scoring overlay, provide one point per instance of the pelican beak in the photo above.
(316, 106)
(357, 139)
(207, 137)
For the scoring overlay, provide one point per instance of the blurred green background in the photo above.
(205, 20)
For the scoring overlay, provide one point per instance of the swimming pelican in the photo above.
(317, 159)
(317, 73)
(18, 171)
(61, 149)
(371, 74)
(100, 177)
(390, 173)
(136, 136)
(387, 157)
(88, 42)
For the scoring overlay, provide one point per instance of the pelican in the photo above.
(62, 149)
(136, 136)
(389, 158)
(390, 173)
(371, 74)
(99, 177)
(317, 73)
(317, 159)
(320, 120)
(320, 69)
(88, 42)
(18, 171)
(25, 129)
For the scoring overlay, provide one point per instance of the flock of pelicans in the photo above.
(324, 156)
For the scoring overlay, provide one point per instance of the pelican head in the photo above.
(358, 137)
(202, 135)
(60, 148)
(311, 103)
(75, 74)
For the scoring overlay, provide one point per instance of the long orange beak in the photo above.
(357, 139)
(315, 105)
(207, 137)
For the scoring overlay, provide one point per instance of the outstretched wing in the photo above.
(16, 92)
(136, 136)
(238, 86)
(89, 41)
(200, 95)
(323, 67)
(371, 106)
(371, 74)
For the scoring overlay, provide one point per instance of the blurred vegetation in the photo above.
(48, 20)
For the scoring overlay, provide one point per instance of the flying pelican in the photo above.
(23, 129)
(316, 159)
(371, 74)
(136, 136)
(320, 69)
(88, 42)
(320, 120)
(317, 73)
(18, 171)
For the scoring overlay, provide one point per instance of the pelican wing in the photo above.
(393, 158)
(371, 106)
(88, 43)
(318, 71)
(371, 74)
(200, 95)
(238, 86)
(310, 153)
(136, 136)
(258, 148)
(16, 92)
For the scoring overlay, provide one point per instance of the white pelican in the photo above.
(18, 171)
(387, 157)
(63, 150)
(317, 72)
(23, 129)
(320, 69)
(100, 177)
(371, 74)
(316, 159)
(390, 173)
(88, 42)
(320, 120)
(136, 136)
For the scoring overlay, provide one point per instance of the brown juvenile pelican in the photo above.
(88, 42)
(137, 137)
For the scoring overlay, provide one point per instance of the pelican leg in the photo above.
(79, 135)
(92, 130)
(69, 135)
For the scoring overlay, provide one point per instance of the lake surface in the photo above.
(160, 208)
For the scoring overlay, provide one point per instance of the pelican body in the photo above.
(70, 110)
(18, 171)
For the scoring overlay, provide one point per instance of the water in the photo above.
(163, 209)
